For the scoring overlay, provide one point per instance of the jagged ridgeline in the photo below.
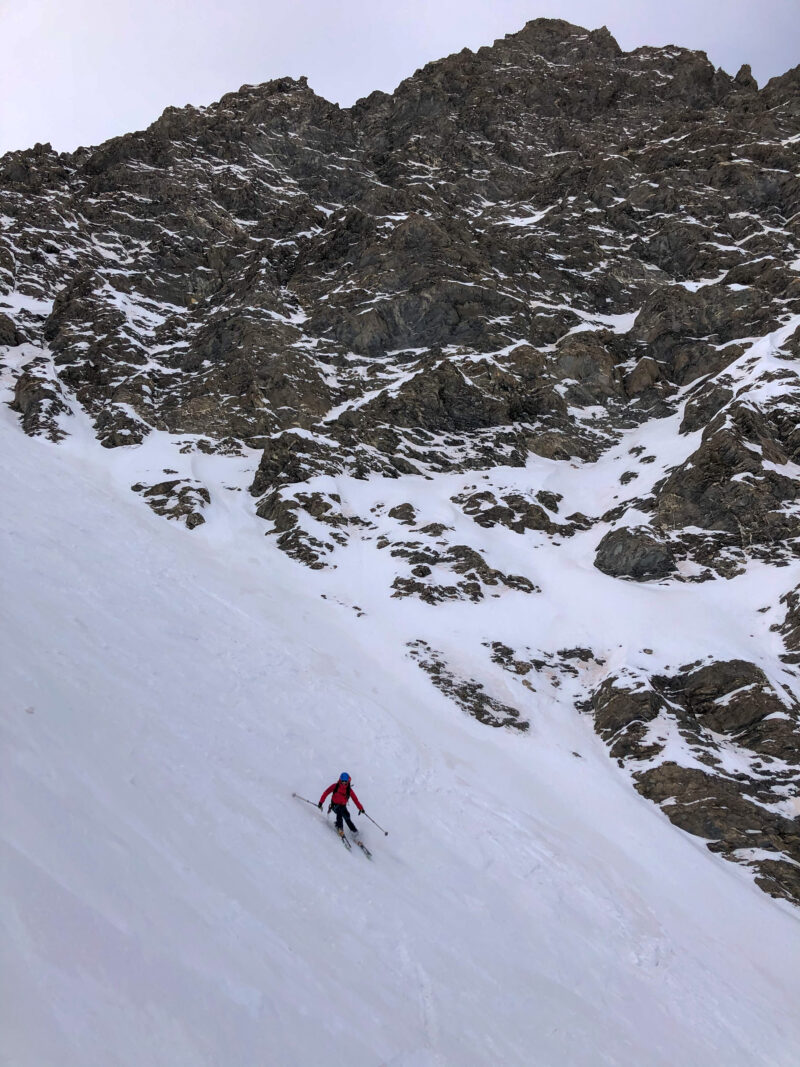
(553, 284)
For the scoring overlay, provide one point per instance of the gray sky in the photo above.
(79, 71)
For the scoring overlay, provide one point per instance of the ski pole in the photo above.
(306, 799)
(386, 832)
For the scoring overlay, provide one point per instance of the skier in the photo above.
(342, 792)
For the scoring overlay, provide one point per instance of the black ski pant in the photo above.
(343, 813)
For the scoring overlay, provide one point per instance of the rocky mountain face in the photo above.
(540, 305)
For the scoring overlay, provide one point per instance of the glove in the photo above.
(320, 805)
(362, 812)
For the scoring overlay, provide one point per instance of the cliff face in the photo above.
(551, 286)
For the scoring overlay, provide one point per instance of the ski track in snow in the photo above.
(169, 903)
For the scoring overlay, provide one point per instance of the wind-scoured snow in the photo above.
(167, 901)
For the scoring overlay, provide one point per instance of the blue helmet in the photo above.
(344, 777)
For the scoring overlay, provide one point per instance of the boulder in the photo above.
(728, 696)
(635, 553)
(9, 335)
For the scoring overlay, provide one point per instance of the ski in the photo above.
(341, 833)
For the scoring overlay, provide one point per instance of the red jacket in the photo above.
(339, 790)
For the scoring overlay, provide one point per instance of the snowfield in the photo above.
(167, 903)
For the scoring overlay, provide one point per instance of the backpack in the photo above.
(336, 790)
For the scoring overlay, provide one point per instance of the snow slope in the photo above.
(167, 901)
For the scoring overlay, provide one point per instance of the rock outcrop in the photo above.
(732, 767)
